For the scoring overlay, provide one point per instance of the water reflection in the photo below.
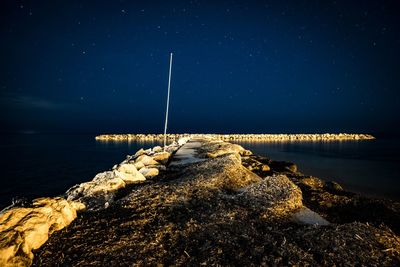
(366, 166)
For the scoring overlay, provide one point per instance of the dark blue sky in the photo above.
(239, 66)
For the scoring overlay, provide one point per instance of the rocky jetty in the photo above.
(210, 202)
(241, 137)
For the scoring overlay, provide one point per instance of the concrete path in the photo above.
(187, 154)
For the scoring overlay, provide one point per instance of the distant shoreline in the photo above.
(241, 137)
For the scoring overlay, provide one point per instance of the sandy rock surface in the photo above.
(23, 229)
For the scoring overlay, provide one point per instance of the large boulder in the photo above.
(100, 192)
(157, 149)
(220, 148)
(149, 172)
(277, 195)
(146, 160)
(162, 157)
(23, 229)
(223, 173)
(139, 153)
(129, 174)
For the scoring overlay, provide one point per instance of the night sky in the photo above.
(239, 66)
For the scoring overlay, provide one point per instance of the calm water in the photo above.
(47, 165)
(369, 167)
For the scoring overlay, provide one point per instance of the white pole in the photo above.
(166, 113)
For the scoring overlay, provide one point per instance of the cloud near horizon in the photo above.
(30, 102)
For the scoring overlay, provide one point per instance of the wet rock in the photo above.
(283, 166)
(333, 186)
(312, 182)
(25, 229)
(265, 168)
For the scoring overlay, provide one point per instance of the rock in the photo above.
(276, 194)
(218, 148)
(94, 194)
(138, 165)
(149, 172)
(246, 152)
(307, 216)
(225, 173)
(139, 153)
(292, 167)
(171, 148)
(162, 157)
(146, 160)
(181, 141)
(282, 166)
(312, 182)
(24, 229)
(265, 168)
(129, 174)
(158, 167)
(157, 149)
(333, 186)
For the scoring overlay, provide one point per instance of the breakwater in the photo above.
(241, 137)
(201, 191)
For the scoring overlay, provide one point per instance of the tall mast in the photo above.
(166, 113)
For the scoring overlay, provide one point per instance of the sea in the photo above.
(38, 165)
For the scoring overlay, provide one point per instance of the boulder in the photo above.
(245, 153)
(283, 166)
(139, 153)
(312, 182)
(218, 149)
(265, 168)
(162, 157)
(146, 160)
(158, 167)
(277, 195)
(149, 172)
(129, 174)
(223, 173)
(157, 149)
(138, 165)
(181, 141)
(333, 186)
(96, 193)
(23, 229)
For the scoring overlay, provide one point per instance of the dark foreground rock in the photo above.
(218, 212)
